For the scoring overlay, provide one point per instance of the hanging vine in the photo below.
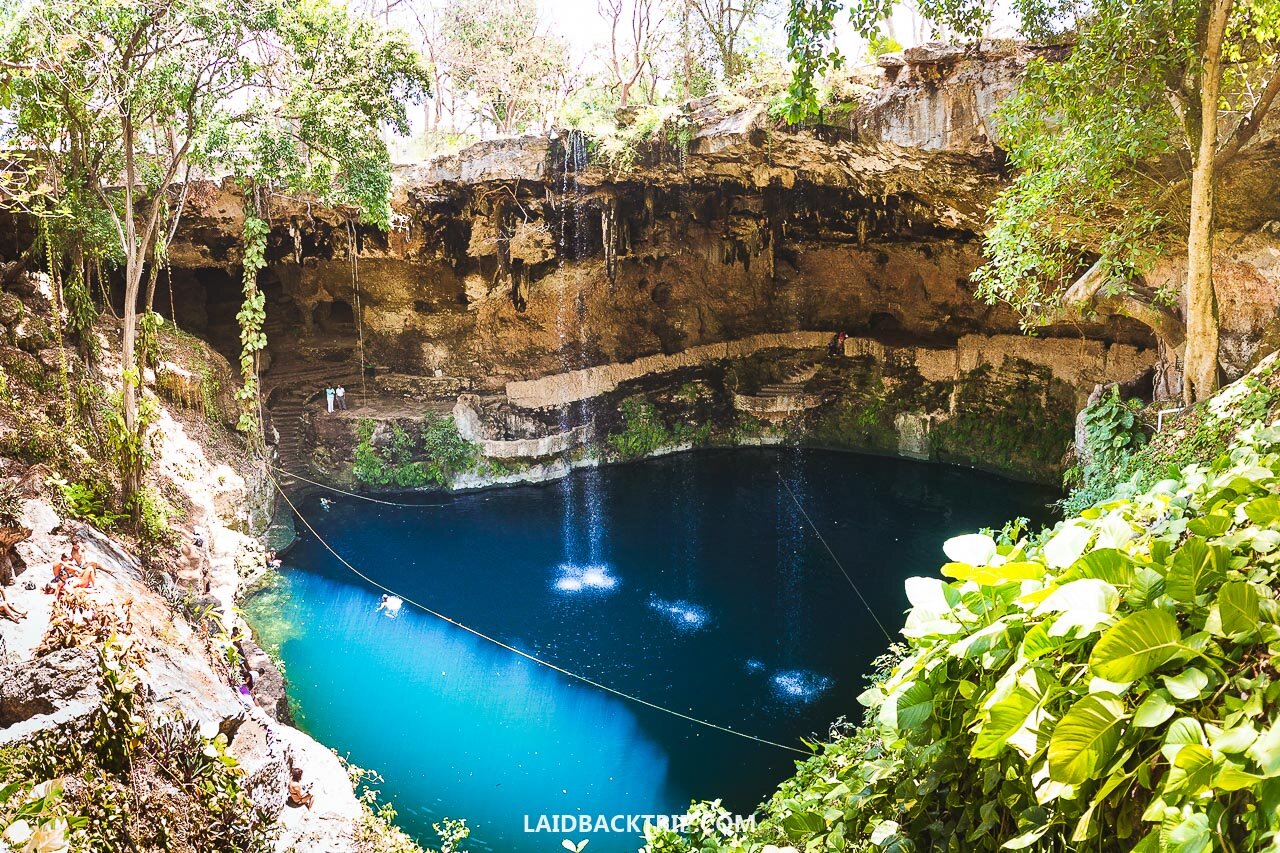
(252, 317)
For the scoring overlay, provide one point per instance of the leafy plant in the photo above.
(1103, 683)
(434, 457)
(1114, 431)
(643, 431)
(1199, 435)
(89, 501)
(10, 501)
(251, 317)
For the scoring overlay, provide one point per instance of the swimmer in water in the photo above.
(325, 503)
(390, 605)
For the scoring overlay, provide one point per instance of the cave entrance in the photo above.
(202, 301)
(333, 318)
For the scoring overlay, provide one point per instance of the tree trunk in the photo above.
(1200, 368)
(130, 386)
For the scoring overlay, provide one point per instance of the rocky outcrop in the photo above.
(526, 272)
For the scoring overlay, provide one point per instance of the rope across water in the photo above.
(834, 559)
(573, 675)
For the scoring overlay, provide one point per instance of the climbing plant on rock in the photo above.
(251, 317)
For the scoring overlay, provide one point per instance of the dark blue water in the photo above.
(691, 581)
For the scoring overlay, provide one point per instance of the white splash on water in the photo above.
(684, 615)
(754, 665)
(799, 685)
(589, 578)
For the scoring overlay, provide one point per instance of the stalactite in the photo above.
(610, 238)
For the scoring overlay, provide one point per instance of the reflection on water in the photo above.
(683, 615)
(689, 581)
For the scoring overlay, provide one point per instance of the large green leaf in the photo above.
(914, 706)
(1147, 584)
(1213, 524)
(1153, 711)
(1238, 608)
(1266, 751)
(1196, 568)
(1107, 564)
(1188, 835)
(1007, 716)
(1264, 511)
(1135, 646)
(1194, 770)
(1186, 685)
(1085, 738)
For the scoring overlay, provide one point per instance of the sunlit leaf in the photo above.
(1085, 738)
(1135, 646)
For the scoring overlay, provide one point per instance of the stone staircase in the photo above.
(295, 383)
(774, 402)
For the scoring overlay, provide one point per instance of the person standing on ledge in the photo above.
(328, 397)
(340, 394)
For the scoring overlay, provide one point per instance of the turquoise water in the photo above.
(691, 581)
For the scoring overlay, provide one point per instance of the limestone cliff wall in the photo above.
(532, 270)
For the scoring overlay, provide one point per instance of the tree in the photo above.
(121, 99)
(499, 56)
(726, 23)
(634, 46)
(1118, 148)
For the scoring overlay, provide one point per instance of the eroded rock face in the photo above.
(517, 263)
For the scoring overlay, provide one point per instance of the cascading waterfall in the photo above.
(583, 524)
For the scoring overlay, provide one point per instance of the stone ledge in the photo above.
(560, 389)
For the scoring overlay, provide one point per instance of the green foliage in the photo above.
(1075, 130)
(251, 317)
(1101, 684)
(434, 457)
(644, 431)
(1114, 431)
(1019, 424)
(447, 452)
(377, 831)
(503, 60)
(117, 801)
(118, 727)
(90, 501)
(1090, 133)
(149, 325)
(152, 513)
(878, 45)
(130, 449)
(1200, 435)
(33, 816)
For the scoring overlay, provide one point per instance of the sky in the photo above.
(580, 23)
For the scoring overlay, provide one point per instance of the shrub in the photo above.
(1199, 435)
(642, 433)
(89, 501)
(1104, 684)
(10, 501)
(434, 457)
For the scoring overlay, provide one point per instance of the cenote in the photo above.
(692, 581)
